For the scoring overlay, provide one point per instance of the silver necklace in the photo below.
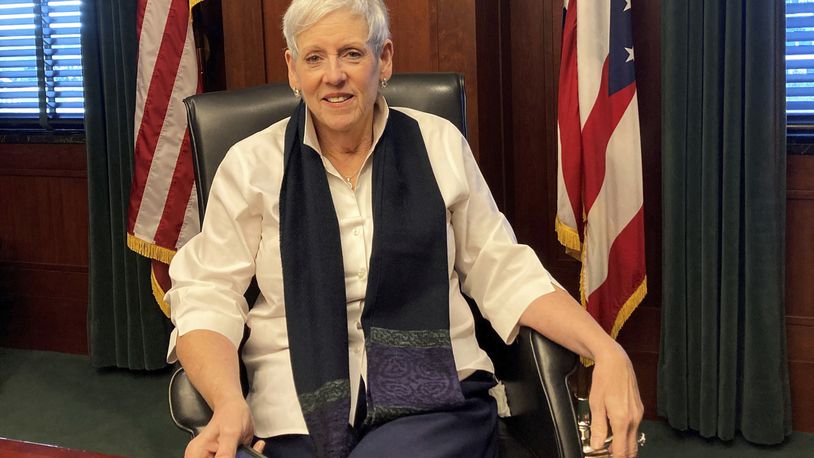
(349, 179)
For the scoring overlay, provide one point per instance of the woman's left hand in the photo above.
(614, 392)
(615, 396)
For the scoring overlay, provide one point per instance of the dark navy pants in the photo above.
(468, 431)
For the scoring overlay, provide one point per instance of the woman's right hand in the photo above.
(231, 425)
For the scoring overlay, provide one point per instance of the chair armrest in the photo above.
(540, 400)
(188, 408)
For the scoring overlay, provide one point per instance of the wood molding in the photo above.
(44, 266)
(43, 173)
(47, 284)
(43, 159)
(807, 321)
(799, 194)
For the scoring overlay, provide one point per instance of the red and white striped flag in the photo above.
(163, 211)
(599, 187)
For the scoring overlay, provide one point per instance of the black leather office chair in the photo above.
(533, 369)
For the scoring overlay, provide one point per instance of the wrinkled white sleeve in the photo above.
(212, 271)
(502, 276)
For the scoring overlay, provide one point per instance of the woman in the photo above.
(371, 220)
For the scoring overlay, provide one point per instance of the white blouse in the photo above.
(239, 239)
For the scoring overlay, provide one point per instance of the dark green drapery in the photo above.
(126, 328)
(723, 364)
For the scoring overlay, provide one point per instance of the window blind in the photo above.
(800, 61)
(40, 63)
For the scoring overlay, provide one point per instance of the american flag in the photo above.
(599, 188)
(163, 211)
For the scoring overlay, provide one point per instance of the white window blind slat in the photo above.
(800, 61)
(40, 62)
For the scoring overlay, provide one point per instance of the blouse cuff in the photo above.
(225, 325)
(506, 320)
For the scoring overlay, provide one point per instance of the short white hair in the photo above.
(302, 14)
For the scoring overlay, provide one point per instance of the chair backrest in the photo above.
(218, 120)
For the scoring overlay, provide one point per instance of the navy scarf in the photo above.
(410, 365)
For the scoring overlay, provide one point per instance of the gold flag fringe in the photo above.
(630, 305)
(161, 254)
(586, 362)
(624, 313)
(158, 294)
(583, 259)
(192, 3)
(568, 237)
(150, 250)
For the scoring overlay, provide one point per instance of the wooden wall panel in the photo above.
(243, 43)
(35, 211)
(44, 307)
(413, 24)
(43, 247)
(645, 363)
(414, 28)
(532, 74)
(273, 11)
(494, 106)
(802, 395)
(800, 237)
(800, 289)
(457, 52)
(647, 41)
(640, 337)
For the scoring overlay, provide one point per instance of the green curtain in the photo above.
(722, 365)
(126, 328)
